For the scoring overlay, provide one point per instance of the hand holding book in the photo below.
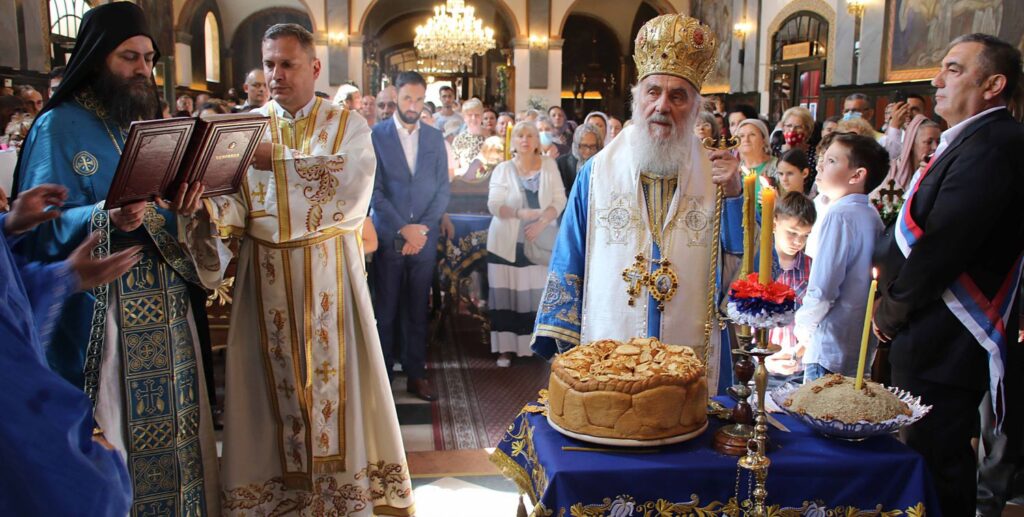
(188, 201)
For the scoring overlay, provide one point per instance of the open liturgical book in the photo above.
(160, 155)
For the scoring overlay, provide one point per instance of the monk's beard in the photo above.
(656, 151)
(125, 100)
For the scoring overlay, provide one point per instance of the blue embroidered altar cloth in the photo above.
(809, 475)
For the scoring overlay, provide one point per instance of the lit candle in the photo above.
(508, 141)
(867, 330)
(749, 222)
(764, 266)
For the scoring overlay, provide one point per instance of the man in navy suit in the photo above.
(410, 195)
(950, 266)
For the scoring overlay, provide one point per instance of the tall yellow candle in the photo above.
(764, 266)
(867, 331)
(749, 223)
(508, 142)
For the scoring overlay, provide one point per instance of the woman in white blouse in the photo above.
(526, 197)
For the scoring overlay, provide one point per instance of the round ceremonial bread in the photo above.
(640, 390)
(833, 397)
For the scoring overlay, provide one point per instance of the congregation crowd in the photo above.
(852, 197)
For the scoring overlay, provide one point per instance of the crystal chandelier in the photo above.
(452, 36)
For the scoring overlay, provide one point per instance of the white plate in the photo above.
(625, 442)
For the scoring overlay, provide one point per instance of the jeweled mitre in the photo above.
(678, 45)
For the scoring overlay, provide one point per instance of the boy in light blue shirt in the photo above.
(831, 319)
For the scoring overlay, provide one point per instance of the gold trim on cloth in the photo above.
(532, 483)
(161, 389)
(340, 136)
(732, 507)
(279, 139)
(323, 236)
(394, 510)
(388, 482)
(99, 222)
(169, 248)
(558, 333)
(278, 320)
(658, 195)
(520, 434)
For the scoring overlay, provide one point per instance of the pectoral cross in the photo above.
(260, 194)
(636, 278)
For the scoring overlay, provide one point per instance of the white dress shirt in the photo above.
(410, 141)
(950, 134)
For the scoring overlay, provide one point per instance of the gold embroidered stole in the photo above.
(658, 193)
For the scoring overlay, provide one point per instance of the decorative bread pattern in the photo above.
(833, 397)
(640, 390)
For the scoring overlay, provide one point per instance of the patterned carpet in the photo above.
(477, 399)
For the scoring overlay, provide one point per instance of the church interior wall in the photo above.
(538, 70)
(618, 16)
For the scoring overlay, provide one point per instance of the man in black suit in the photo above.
(950, 256)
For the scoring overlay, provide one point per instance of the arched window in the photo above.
(211, 37)
(65, 17)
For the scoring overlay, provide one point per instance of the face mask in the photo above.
(850, 115)
(545, 139)
(793, 138)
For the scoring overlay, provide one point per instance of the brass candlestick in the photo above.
(756, 460)
(732, 439)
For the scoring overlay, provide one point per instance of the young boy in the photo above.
(794, 217)
(831, 319)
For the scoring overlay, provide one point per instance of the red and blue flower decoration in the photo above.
(761, 306)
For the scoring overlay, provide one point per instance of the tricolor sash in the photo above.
(985, 319)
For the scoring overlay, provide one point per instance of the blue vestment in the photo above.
(559, 320)
(51, 464)
(134, 336)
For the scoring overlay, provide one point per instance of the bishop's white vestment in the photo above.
(607, 224)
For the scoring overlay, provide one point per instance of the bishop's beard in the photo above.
(662, 155)
(659, 151)
(125, 100)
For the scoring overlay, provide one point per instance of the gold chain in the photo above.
(658, 235)
(111, 135)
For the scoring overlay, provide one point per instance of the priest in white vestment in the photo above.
(310, 425)
(635, 250)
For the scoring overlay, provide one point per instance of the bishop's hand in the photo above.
(725, 171)
(31, 208)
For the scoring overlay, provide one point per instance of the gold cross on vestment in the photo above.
(260, 194)
(325, 371)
